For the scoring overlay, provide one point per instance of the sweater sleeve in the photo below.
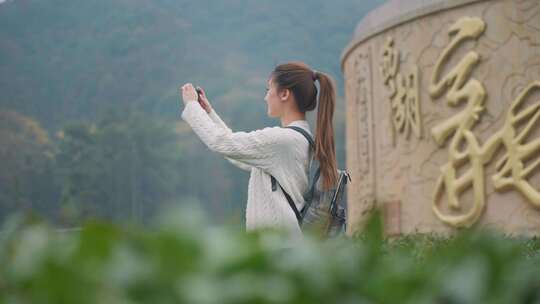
(259, 148)
(215, 117)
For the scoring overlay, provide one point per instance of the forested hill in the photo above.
(66, 59)
(90, 105)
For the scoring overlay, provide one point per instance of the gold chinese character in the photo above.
(403, 93)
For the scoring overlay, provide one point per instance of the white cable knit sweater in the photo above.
(281, 152)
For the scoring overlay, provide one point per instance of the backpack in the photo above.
(324, 212)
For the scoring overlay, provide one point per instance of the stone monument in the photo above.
(443, 109)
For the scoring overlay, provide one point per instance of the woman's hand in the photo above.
(188, 93)
(205, 104)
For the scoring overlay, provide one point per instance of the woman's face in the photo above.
(273, 100)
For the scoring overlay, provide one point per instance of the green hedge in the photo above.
(181, 258)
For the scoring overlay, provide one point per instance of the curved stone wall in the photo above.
(443, 116)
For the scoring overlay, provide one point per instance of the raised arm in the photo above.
(258, 148)
(215, 117)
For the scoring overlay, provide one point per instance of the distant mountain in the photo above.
(72, 60)
(67, 59)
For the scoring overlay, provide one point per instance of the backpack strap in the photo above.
(306, 135)
(293, 206)
(289, 199)
(309, 197)
(274, 181)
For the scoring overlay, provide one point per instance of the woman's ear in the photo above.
(284, 94)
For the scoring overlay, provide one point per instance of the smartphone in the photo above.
(199, 93)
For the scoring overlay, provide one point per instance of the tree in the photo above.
(121, 167)
(27, 158)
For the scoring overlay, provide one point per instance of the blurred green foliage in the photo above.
(180, 258)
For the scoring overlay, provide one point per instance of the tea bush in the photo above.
(182, 258)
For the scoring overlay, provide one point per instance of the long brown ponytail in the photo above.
(300, 79)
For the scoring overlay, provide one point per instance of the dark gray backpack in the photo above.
(324, 212)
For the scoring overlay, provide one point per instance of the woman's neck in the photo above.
(290, 117)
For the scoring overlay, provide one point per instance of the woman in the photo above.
(281, 152)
